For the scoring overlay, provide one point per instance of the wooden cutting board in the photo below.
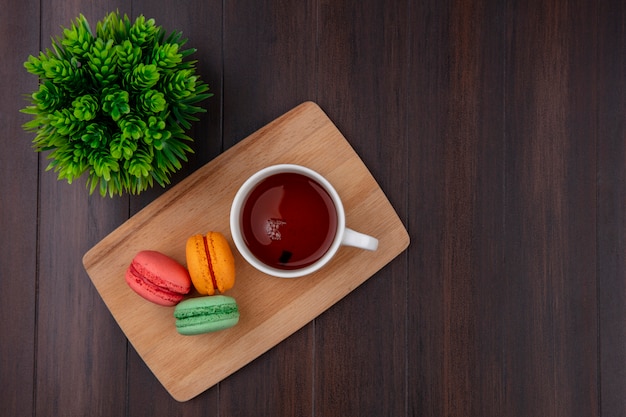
(271, 308)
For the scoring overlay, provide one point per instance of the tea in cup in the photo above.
(288, 221)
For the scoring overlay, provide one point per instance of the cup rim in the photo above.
(237, 204)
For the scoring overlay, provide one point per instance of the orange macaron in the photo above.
(210, 263)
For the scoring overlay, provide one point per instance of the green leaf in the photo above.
(103, 61)
(152, 101)
(166, 56)
(64, 122)
(49, 97)
(86, 107)
(144, 76)
(144, 32)
(132, 127)
(78, 39)
(122, 147)
(115, 103)
(128, 55)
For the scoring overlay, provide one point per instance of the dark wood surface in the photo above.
(497, 130)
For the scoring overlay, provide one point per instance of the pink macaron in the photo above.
(158, 278)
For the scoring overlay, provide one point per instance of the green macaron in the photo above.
(206, 314)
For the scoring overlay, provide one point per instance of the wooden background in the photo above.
(496, 128)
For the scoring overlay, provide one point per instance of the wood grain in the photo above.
(258, 88)
(352, 39)
(494, 128)
(551, 298)
(458, 172)
(201, 24)
(71, 221)
(271, 309)
(610, 79)
(18, 213)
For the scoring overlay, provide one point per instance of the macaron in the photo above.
(158, 278)
(210, 263)
(206, 314)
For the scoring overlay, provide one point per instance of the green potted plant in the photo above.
(115, 104)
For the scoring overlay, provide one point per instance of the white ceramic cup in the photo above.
(343, 235)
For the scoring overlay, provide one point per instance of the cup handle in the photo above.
(359, 240)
